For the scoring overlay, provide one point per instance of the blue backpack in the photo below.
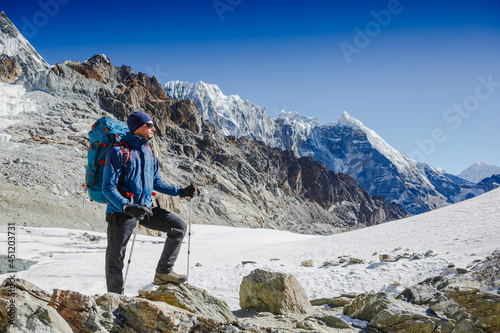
(105, 133)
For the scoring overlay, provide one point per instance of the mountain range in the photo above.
(243, 181)
(345, 147)
(287, 172)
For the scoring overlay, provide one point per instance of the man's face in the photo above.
(147, 130)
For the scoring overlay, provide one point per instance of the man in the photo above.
(131, 173)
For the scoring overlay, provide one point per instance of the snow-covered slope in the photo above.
(454, 235)
(478, 171)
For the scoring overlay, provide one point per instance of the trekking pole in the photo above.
(189, 234)
(130, 256)
(189, 237)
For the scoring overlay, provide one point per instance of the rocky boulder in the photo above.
(275, 292)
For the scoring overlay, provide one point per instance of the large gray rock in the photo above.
(192, 299)
(275, 292)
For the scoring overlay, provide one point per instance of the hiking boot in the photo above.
(171, 277)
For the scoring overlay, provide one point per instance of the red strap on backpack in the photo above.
(126, 152)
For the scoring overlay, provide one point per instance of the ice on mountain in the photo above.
(12, 102)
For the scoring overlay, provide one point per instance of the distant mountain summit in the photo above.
(230, 114)
(17, 56)
(402, 162)
(478, 171)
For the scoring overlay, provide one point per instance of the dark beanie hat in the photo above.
(137, 119)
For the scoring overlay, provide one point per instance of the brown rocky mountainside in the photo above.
(244, 182)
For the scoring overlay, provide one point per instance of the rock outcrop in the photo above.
(68, 311)
(24, 308)
(444, 304)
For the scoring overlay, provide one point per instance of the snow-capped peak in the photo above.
(176, 89)
(13, 44)
(478, 171)
(346, 120)
(402, 163)
(230, 114)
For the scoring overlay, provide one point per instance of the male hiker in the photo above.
(131, 173)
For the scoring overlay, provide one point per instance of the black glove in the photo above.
(137, 211)
(189, 191)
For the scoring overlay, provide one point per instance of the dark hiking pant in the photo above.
(121, 227)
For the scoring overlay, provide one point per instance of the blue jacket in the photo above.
(139, 176)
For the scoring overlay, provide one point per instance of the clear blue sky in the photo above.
(423, 74)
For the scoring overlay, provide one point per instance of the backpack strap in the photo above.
(125, 151)
(150, 148)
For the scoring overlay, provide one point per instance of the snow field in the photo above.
(457, 234)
